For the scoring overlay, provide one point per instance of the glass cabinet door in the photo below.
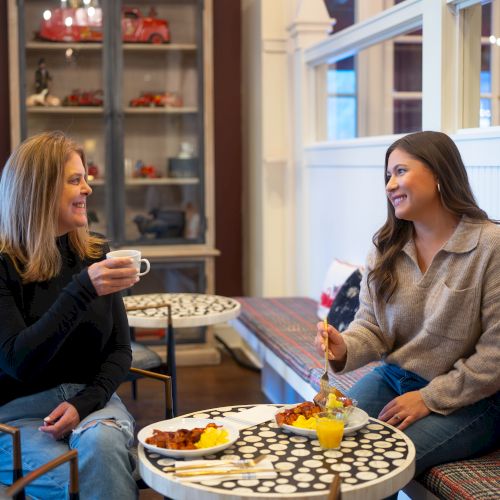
(162, 82)
(125, 80)
(60, 71)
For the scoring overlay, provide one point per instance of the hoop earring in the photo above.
(439, 188)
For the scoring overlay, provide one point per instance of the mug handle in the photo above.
(148, 267)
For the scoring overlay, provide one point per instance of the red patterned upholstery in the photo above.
(287, 326)
(475, 479)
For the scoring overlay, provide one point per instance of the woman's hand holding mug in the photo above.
(119, 271)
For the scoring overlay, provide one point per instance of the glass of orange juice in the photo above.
(330, 428)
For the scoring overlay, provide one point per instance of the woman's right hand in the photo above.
(337, 348)
(113, 275)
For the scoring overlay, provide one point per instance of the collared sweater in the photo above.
(60, 331)
(444, 324)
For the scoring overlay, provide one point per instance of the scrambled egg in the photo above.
(332, 401)
(212, 437)
(305, 423)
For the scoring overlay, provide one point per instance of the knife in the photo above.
(218, 472)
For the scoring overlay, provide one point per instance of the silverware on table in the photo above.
(245, 463)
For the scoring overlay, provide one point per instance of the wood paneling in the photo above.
(228, 146)
(4, 87)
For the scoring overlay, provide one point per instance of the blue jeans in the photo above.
(102, 440)
(469, 431)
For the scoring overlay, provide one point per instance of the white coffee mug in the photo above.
(135, 255)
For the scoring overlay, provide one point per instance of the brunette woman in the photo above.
(429, 308)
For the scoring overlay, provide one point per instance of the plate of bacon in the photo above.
(187, 437)
(300, 419)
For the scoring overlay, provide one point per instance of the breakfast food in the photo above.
(304, 414)
(306, 410)
(189, 439)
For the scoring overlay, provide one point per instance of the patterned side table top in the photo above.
(188, 309)
(373, 463)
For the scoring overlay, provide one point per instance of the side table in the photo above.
(187, 310)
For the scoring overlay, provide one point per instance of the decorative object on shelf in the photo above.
(84, 98)
(92, 170)
(157, 99)
(162, 223)
(184, 164)
(42, 97)
(144, 171)
(192, 229)
(42, 77)
(84, 24)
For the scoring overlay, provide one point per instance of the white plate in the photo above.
(357, 419)
(186, 423)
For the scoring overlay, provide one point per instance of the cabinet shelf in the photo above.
(174, 181)
(92, 110)
(160, 111)
(144, 47)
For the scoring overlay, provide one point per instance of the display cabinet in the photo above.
(131, 82)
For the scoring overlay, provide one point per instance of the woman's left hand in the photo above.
(404, 410)
(61, 421)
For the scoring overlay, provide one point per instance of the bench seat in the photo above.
(281, 332)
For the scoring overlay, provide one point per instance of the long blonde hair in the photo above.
(30, 188)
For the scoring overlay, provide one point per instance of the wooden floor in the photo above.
(199, 387)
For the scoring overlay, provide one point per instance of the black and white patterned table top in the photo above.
(374, 462)
(188, 309)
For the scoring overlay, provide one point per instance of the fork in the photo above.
(251, 462)
(324, 382)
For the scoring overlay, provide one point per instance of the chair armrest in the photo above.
(70, 456)
(15, 433)
(167, 381)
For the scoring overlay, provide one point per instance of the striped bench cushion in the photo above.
(287, 326)
(475, 479)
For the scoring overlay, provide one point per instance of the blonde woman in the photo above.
(64, 338)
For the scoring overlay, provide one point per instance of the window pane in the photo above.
(483, 110)
(342, 77)
(342, 114)
(375, 92)
(485, 113)
(407, 115)
(408, 67)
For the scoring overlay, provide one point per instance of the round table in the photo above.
(375, 462)
(186, 310)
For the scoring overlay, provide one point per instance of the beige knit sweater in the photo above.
(444, 324)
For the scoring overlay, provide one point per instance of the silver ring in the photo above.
(397, 417)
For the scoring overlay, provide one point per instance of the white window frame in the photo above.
(447, 103)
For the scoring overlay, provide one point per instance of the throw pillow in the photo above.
(336, 275)
(346, 302)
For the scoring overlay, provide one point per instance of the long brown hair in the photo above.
(31, 183)
(440, 154)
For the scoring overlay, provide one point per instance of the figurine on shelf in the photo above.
(92, 170)
(161, 223)
(41, 97)
(144, 171)
(42, 77)
(192, 228)
(185, 164)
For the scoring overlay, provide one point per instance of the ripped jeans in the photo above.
(102, 440)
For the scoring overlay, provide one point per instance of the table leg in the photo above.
(171, 368)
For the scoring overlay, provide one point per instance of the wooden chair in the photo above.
(15, 434)
(167, 389)
(16, 490)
